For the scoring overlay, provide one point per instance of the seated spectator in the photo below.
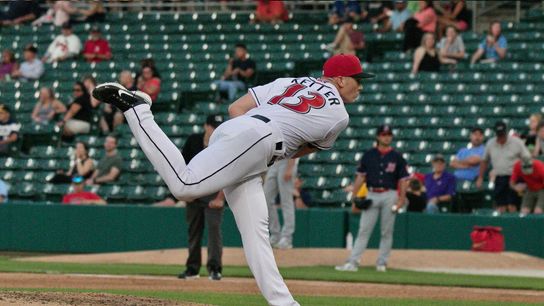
(47, 107)
(440, 185)
(529, 136)
(149, 82)
(539, 142)
(454, 15)
(83, 166)
(96, 49)
(493, 46)
(416, 196)
(9, 130)
(109, 167)
(347, 41)
(90, 83)
(239, 72)
(112, 117)
(94, 13)
(426, 57)
(4, 189)
(8, 65)
(271, 11)
(467, 160)
(531, 172)
(340, 11)
(146, 62)
(19, 11)
(451, 48)
(302, 198)
(63, 47)
(32, 67)
(80, 196)
(78, 118)
(423, 21)
(397, 18)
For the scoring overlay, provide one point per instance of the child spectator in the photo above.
(531, 172)
(31, 68)
(440, 185)
(9, 130)
(426, 57)
(493, 46)
(83, 166)
(271, 11)
(416, 196)
(63, 47)
(77, 119)
(8, 65)
(537, 149)
(452, 48)
(529, 136)
(423, 21)
(80, 196)
(47, 107)
(96, 49)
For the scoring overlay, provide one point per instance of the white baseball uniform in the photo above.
(290, 113)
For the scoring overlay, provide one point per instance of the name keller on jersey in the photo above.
(330, 95)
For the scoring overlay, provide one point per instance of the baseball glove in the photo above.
(362, 203)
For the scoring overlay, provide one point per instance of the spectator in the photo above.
(347, 40)
(467, 160)
(149, 82)
(303, 199)
(96, 49)
(455, 15)
(397, 18)
(416, 196)
(47, 107)
(208, 209)
(63, 47)
(4, 189)
(451, 48)
(9, 130)
(423, 21)
(426, 57)
(83, 166)
(270, 11)
(502, 151)
(32, 67)
(340, 11)
(90, 83)
(493, 46)
(109, 167)
(537, 149)
(531, 172)
(112, 117)
(440, 185)
(8, 65)
(146, 62)
(20, 11)
(239, 72)
(78, 118)
(80, 196)
(95, 13)
(530, 135)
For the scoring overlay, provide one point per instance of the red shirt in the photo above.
(152, 82)
(80, 197)
(100, 46)
(534, 181)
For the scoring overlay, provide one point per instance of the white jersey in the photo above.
(306, 110)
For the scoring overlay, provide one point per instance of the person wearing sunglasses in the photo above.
(77, 119)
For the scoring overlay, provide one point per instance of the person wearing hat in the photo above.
(347, 40)
(9, 130)
(440, 185)
(96, 49)
(63, 47)
(383, 169)
(502, 151)
(80, 196)
(31, 68)
(531, 173)
(286, 118)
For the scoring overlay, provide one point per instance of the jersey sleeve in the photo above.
(261, 94)
(327, 142)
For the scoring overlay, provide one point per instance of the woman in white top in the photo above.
(452, 48)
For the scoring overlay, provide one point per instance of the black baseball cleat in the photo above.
(117, 95)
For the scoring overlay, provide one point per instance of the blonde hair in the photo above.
(424, 38)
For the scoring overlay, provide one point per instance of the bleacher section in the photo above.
(431, 112)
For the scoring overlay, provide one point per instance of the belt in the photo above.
(378, 190)
(279, 145)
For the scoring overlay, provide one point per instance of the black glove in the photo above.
(362, 203)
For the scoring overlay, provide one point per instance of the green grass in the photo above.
(230, 299)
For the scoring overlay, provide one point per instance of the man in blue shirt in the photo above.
(493, 46)
(467, 160)
(440, 185)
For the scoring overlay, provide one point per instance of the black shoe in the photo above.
(188, 275)
(117, 95)
(214, 275)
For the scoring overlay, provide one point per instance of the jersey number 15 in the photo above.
(304, 105)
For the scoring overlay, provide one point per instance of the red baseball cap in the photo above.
(345, 65)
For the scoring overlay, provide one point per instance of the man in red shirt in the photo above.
(532, 173)
(80, 196)
(96, 48)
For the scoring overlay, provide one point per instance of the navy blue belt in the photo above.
(279, 145)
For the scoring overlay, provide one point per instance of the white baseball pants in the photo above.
(237, 155)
